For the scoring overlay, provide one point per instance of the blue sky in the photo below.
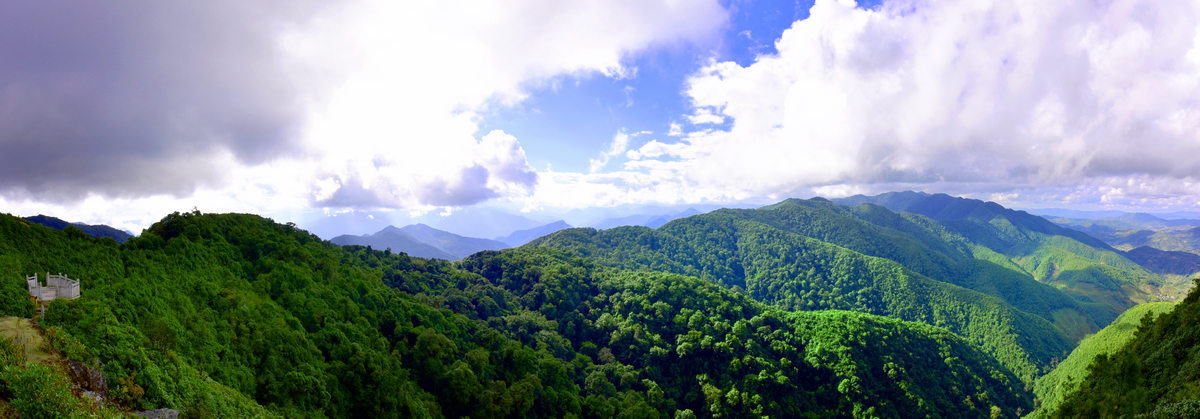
(307, 108)
(569, 120)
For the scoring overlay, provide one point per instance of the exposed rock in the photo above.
(96, 398)
(88, 378)
(159, 414)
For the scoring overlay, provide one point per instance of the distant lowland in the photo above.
(898, 305)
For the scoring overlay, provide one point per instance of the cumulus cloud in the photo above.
(997, 94)
(400, 132)
(493, 167)
(370, 103)
(618, 146)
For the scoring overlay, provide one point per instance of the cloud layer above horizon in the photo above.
(1063, 102)
(369, 103)
(266, 106)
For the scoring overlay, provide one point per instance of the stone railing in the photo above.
(57, 286)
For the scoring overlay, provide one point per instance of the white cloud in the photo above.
(381, 100)
(400, 131)
(676, 130)
(619, 144)
(999, 94)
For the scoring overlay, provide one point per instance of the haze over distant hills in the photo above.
(451, 243)
(478, 222)
(1135, 230)
(421, 240)
(509, 227)
(518, 238)
(398, 241)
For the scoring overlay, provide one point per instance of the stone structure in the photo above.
(57, 286)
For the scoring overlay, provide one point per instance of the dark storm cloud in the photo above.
(136, 98)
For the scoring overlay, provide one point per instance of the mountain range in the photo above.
(1130, 231)
(259, 319)
(520, 237)
(97, 231)
(897, 305)
(420, 240)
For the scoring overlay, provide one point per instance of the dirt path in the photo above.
(22, 333)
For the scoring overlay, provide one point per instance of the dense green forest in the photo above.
(1155, 375)
(238, 316)
(816, 255)
(1051, 388)
(1079, 264)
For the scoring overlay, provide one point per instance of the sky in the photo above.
(121, 112)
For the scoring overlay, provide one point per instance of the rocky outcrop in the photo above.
(88, 378)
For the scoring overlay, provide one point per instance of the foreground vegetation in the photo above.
(1156, 374)
(1051, 387)
(237, 316)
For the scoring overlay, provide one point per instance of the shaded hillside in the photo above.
(456, 245)
(306, 328)
(772, 263)
(1051, 387)
(1165, 262)
(1156, 372)
(398, 241)
(98, 231)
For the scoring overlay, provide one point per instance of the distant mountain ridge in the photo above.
(399, 241)
(423, 241)
(1130, 231)
(652, 220)
(520, 237)
(451, 243)
(466, 222)
(97, 231)
(946, 207)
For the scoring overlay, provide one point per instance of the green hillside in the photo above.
(936, 251)
(735, 249)
(202, 311)
(1051, 387)
(1079, 264)
(1156, 374)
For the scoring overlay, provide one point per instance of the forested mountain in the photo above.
(1051, 387)
(398, 241)
(1081, 265)
(814, 254)
(237, 316)
(97, 231)
(451, 243)
(1155, 375)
